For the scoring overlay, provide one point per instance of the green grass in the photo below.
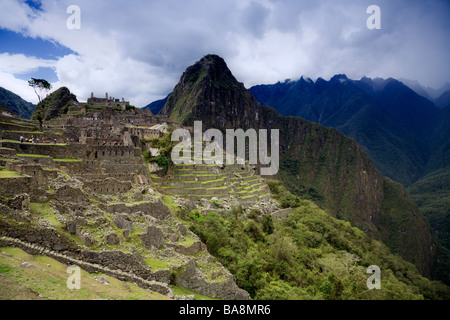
(218, 188)
(8, 160)
(170, 203)
(45, 211)
(66, 176)
(187, 242)
(180, 291)
(23, 155)
(27, 132)
(9, 174)
(40, 143)
(49, 278)
(16, 125)
(156, 264)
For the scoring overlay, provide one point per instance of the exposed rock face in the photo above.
(154, 238)
(123, 221)
(224, 288)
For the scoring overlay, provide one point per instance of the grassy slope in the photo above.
(47, 280)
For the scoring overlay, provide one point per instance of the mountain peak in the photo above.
(211, 66)
(207, 87)
(54, 104)
(342, 78)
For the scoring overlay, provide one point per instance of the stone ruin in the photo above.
(107, 101)
(103, 206)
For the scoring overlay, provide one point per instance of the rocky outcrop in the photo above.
(225, 287)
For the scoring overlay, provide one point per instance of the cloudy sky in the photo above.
(138, 49)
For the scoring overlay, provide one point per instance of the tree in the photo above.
(40, 87)
(39, 118)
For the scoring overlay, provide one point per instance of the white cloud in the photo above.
(139, 49)
(19, 63)
(18, 86)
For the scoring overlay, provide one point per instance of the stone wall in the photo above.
(156, 209)
(69, 151)
(108, 186)
(91, 262)
(225, 288)
(145, 133)
(14, 186)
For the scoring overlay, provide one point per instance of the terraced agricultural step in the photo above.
(199, 184)
(198, 178)
(197, 191)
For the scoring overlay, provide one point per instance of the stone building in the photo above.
(107, 101)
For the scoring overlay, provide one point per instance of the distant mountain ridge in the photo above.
(431, 94)
(404, 133)
(394, 124)
(16, 104)
(156, 106)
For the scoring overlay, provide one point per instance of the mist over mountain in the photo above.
(395, 125)
(431, 94)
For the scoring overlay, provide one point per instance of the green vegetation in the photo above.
(320, 163)
(32, 155)
(309, 255)
(9, 174)
(156, 264)
(180, 291)
(433, 199)
(54, 105)
(67, 160)
(16, 104)
(94, 108)
(164, 145)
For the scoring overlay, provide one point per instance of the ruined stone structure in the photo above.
(107, 101)
(88, 170)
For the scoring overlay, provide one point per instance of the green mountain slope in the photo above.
(431, 195)
(307, 255)
(16, 104)
(54, 104)
(316, 162)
